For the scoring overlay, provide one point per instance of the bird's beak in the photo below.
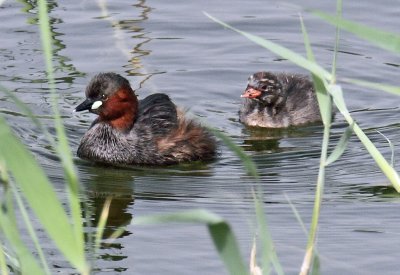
(251, 93)
(86, 105)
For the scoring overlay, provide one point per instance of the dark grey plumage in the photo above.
(285, 100)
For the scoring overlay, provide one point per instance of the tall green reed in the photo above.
(30, 187)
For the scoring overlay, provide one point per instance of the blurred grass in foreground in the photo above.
(25, 183)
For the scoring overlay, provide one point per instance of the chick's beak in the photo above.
(86, 105)
(251, 93)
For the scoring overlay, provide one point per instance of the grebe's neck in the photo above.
(120, 109)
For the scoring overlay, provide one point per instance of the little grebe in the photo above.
(278, 101)
(128, 131)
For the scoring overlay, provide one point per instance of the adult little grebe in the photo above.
(278, 101)
(128, 131)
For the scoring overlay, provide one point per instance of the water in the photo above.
(174, 48)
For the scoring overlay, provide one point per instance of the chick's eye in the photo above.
(264, 87)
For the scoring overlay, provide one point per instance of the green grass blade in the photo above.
(8, 225)
(248, 163)
(190, 216)
(316, 268)
(3, 263)
(40, 195)
(340, 146)
(30, 228)
(306, 39)
(12, 262)
(309, 257)
(63, 150)
(281, 51)
(390, 173)
(296, 214)
(391, 148)
(339, 8)
(386, 40)
(3, 171)
(63, 147)
(254, 268)
(316, 264)
(388, 170)
(25, 110)
(117, 233)
(227, 247)
(268, 251)
(325, 104)
(220, 231)
(371, 85)
(324, 99)
(102, 223)
(3, 181)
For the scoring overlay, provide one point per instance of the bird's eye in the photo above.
(264, 87)
(104, 96)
